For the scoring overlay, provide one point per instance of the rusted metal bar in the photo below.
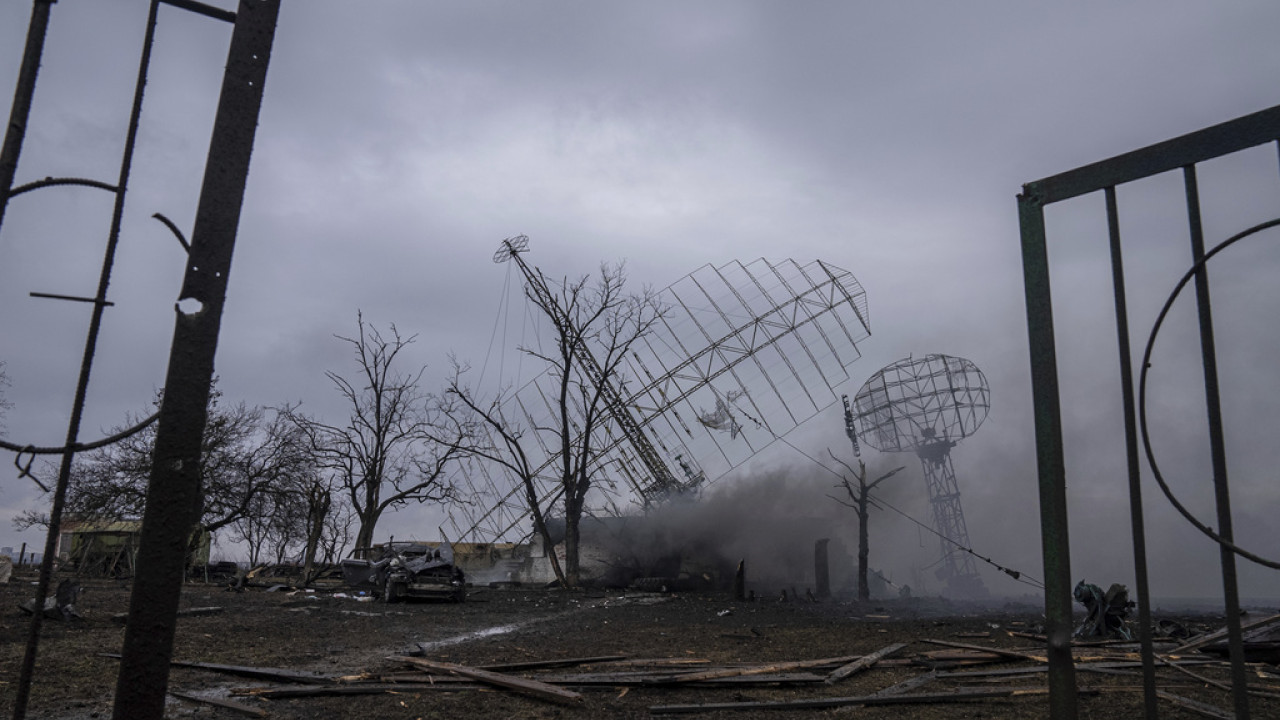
(1217, 447)
(1137, 523)
(22, 94)
(173, 494)
(1055, 545)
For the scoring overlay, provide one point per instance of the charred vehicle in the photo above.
(400, 570)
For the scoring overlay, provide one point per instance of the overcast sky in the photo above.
(400, 142)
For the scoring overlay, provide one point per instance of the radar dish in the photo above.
(918, 401)
(926, 406)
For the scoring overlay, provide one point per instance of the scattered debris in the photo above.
(560, 680)
(62, 606)
(534, 688)
(1261, 641)
(219, 702)
(1108, 612)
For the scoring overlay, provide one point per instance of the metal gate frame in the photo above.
(1183, 153)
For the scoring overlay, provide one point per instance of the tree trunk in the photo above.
(364, 538)
(318, 504)
(864, 590)
(571, 557)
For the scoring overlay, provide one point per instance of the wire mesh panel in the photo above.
(917, 400)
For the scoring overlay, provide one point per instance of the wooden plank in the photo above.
(1209, 681)
(647, 679)
(533, 688)
(908, 684)
(539, 664)
(218, 702)
(816, 703)
(1218, 634)
(310, 691)
(1013, 654)
(661, 662)
(1196, 706)
(258, 673)
(863, 663)
(189, 612)
(1117, 665)
(754, 669)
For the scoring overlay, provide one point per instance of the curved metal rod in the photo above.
(174, 229)
(78, 447)
(24, 471)
(49, 181)
(1142, 396)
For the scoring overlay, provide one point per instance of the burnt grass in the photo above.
(335, 636)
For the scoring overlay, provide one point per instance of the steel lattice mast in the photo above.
(959, 569)
(663, 481)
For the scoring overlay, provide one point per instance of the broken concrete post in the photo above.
(821, 574)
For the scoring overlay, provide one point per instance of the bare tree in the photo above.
(317, 504)
(28, 519)
(336, 533)
(860, 500)
(594, 325)
(384, 455)
(247, 461)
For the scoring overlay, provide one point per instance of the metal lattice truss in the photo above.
(916, 401)
(743, 354)
(948, 520)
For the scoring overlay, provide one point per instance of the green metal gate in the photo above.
(1179, 154)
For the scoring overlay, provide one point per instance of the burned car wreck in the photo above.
(401, 570)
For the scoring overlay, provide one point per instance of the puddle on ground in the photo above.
(475, 635)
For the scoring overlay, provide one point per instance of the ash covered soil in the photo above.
(335, 636)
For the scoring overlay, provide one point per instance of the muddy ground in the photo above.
(321, 633)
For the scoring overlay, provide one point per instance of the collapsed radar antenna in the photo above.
(926, 406)
(747, 352)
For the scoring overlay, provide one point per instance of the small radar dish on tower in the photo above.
(926, 406)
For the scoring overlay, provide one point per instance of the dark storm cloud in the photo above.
(400, 141)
